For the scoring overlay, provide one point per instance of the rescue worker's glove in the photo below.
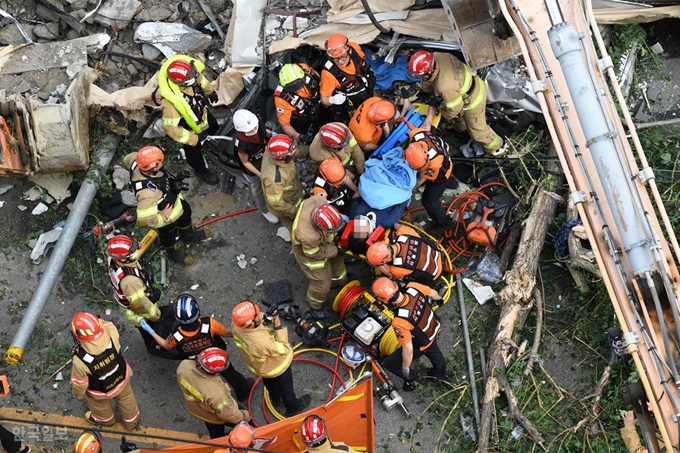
(213, 98)
(409, 374)
(127, 447)
(154, 295)
(337, 99)
(147, 328)
(305, 139)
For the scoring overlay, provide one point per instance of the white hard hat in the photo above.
(245, 121)
(352, 355)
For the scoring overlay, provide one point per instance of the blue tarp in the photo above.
(386, 74)
(387, 182)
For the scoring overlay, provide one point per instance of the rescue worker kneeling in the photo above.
(410, 256)
(416, 326)
(369, 123)
(242, 436)
(161, 205)
(315, 435)
(316, 224)
(90, 441)
(335, 141)
(333, 183)
(206, 396)
(267, 354)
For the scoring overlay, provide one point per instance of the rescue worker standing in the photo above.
(429, 155)
(315, 435)
(186, 119)
(416, 326)
(410, 257)
(335, 140)
(206, 396)
(267, 353)
(160, 203)
(100, 373)
(280, 182)
(463, 96)
(297, 101)
(369, 123)
(346, 78)
(314, 231)
(335, 185)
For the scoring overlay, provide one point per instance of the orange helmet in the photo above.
(150, 158)
(416, 155)
(281, 147)
(241, 436)
(121, 247)
(381, 112)
(89, 441)
(245, 314)
(85, 327)
(213, 360)
(385, 290)
(313, 430)
(181, 72)
(379, 253)
(337, 45)
(328, 218)
(332, 171)
(334, 136)
(421, 63)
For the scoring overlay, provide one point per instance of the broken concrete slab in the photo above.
(41, 208)
(37, 57)
(56, 184)
(118, 11)
(151, 52)
(153, 14)
(48, 31)
(482, 293)
(177, 37)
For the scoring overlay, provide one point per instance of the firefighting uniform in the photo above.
(131, 286)
(351, 156)
(329, 447)
(418, 258)
(210, 332)
(632, 441)
(282, 188)
(185, 112)
(100, 373)
(266, 352)
(415, 322)
(152, 192)
(316, 254)
(208, 398)
(300, 109)
(464, 99)
(438, 176)
(363, 129)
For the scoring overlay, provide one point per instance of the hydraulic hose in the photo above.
(226, 216)
(374, 21)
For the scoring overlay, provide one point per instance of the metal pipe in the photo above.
(468, 348)
(554, 12)
(81, 206)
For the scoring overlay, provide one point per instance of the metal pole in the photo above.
(81, 206)
(468, 347)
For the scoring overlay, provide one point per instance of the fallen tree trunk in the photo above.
(515, 297)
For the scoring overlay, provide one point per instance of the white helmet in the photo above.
(245, 121)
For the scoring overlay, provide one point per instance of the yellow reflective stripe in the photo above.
(225, 401)
(136, 295)
(133, 317)
(279, 369)
(347, 159)
(152, 311)
(310, 297)
(495, 143)
(296, 220)
(148, 212)
(204, 82)
(455, 103)
(171, 121)
(310, 252)
(478, 100)
(191, 389)
(315, 265)
(467, 80)
(275, 197)
(186, 135)
(341, 276)
(352, 141)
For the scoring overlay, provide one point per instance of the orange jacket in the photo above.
(363, 129)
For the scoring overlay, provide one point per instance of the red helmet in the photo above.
(334, 136)
(381, 112)
(281, 147)
(245, 314)
(337, 45)
(121, 247)
(150, 158)
(332, 171)
(85, 327)
(241, 436)
(421, 63)
(89, 441)
(314, 430)
(213, 360)
(385, 290)
(328, 218)
(416, 155)
(379, 253)
(181, 72)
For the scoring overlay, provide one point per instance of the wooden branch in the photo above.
(533, 355)
(515, 413)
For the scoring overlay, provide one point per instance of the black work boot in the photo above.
(190, 235)
(178, 256)
(302, 404)
(208, 177)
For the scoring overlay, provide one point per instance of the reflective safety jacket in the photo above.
(337, 196)
(99, 368)
(189, 344)
(281, 186)
(350, 156)
(363, 129)
(151, 191)
(265, 350)
(131, 286)
(356, 80)
(329, 447)
(207, 397)
(415, 320)
(418, 257)
(184, 103)
(312, 247)
(440, 166)
(450, 82)
(303, 103)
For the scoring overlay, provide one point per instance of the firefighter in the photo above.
(195, 334)
(415, 325)
(369, 123)
(266, 352)
(251, 140)
(90, 441)
(335, 185)
(297, 101)
(315, 435)
(314, 231)
(11, 443)
(429, 155)
(206, 396)
(100, 373)
(335, 140)
(346, 78)
(463, 96)
(242, 436)
(410, 257)
(186, 95)
(280, 182)
(161, 204)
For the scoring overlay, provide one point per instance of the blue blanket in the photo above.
(387, 182)
(386, 74)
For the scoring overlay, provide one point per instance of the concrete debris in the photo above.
(150, 52)
(121, 177)
(178, 37)
(259, 283)
(33, 194)
(129, 198)
(22, 87)
(118, 11)
(657, 48)
(40, 209)
(6, 188)
(155, 130)
(45, 242)
(482, 293)
(241, 257)
(300, 23)
(194, 287)
(242, 264)
(2, 203)
(60, 376)
(153, 14)
(48, 31)
(22, 207)
(283, 233)
(4, 13)
(253, 260)
(56, 184)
